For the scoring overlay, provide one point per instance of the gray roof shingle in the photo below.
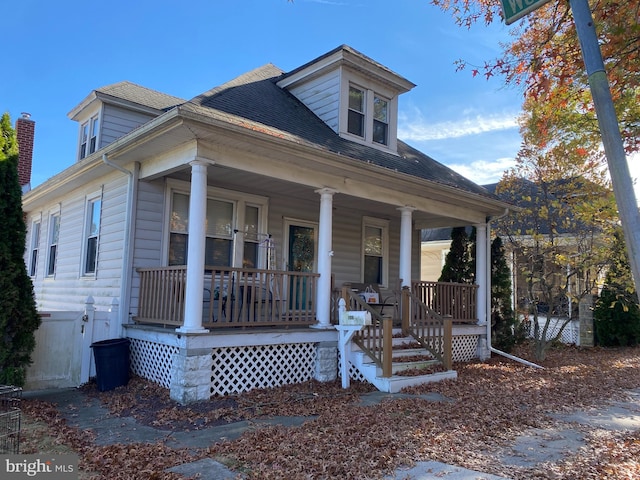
(255, 97)
(134, 93)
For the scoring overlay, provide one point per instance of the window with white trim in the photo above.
(252, 236)
(92, 232)
(54, 234)
(235, 226)
(89, 136)
(356, 116)
(35, 242)
(375, 251)
(369, 115)
(380, 120)
(218, 229)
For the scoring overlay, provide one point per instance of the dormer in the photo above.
(110, 112)
(354, 95)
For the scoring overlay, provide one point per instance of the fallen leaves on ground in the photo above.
(481, 412)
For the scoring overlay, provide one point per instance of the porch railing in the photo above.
(457, 301)
(233, 297)
(433, 331)
(375, 339)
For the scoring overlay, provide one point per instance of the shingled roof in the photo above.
(134, 93)
(255, 97)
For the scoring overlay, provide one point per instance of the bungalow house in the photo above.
(221, 230)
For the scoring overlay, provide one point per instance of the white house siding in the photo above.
(117, 122)
(322, 97)
(148, 232)
(68, 290)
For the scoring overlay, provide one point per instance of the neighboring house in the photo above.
(435, 244)
(219, 229)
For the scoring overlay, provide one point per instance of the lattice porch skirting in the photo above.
(239, 369)
(152, 360)
(235, 369)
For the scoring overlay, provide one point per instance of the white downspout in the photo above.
(129, 240)
(491, 349)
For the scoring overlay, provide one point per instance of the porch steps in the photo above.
(417, 358)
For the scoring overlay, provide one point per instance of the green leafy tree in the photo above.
(18, 314)
(617, 314)
(459, 265)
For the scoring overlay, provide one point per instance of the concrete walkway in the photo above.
(536, 446)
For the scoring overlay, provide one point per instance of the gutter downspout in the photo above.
(127, 263)
(491, 349)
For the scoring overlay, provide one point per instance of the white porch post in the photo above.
(196, 249)
(406, 231)
(325, 232)
(483, 270)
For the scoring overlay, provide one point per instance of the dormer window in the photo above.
(89, 137)
(368, 115)
(356, 111)
(357, 115)
(380, 120)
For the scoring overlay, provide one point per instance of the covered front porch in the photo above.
(260, 329)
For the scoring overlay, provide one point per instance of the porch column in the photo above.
(406, 230)
(325, 232)
(195, 249)
(483, 271)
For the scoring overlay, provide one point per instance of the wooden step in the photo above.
(373, 374)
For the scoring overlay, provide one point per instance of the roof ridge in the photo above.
(263, 72)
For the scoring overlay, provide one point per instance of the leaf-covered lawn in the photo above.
(487, 407)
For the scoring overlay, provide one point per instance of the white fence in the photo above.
(570, 334)
(62, 357)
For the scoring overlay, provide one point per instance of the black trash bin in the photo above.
(112, 363)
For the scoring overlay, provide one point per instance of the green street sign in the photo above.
(516, 9)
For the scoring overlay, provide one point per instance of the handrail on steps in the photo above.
(431, 330)
(375, 340)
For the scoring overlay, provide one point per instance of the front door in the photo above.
(301, 257)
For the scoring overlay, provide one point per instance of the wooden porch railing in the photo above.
(457, 301)
(233, 297)
(375, 339)
(433, 331)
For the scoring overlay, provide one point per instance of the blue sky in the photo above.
(58, 52)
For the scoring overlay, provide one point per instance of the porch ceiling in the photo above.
(270, 186)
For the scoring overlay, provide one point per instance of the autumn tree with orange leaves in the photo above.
(545, 60)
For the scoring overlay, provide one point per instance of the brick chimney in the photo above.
(25, 131)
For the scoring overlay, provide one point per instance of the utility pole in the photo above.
(610, 132)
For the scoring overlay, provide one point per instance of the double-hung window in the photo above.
(375, 235)
(380, 120)
(219, 243)
(54, 233)
(368, 115)
(35, 242)
(218, 230)
(251, 237)
(356, 116)
(91, 236)
(89, 136)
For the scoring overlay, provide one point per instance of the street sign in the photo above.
(516, 9)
